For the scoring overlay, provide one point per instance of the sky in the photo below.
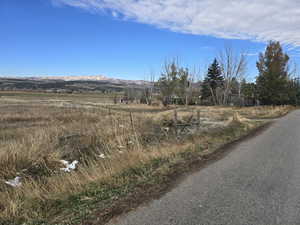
(131, 39)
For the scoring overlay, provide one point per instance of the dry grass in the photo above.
(34, 138)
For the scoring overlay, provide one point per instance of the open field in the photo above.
(117, 147)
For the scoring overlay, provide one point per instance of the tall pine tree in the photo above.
(212, 81)
(272, 82)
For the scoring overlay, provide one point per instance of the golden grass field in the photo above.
(37, 131)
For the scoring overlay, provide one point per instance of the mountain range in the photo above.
(70, 83)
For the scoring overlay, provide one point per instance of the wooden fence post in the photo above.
(131, 121)
(175, 121)
(198, 120)
(110, 116)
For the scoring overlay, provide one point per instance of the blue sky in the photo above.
(73, 37)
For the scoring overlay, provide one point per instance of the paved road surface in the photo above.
(257, 184)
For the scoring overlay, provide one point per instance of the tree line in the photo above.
(225, 83)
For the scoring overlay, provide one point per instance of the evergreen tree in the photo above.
(294, 92)
(249, 92)
(248, 89)
(273, 81)
(212, 81)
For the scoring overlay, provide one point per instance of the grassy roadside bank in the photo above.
(122, 192)
(125, 158)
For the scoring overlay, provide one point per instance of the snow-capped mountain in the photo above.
(75, 78)
(69, 83)
(91, 78)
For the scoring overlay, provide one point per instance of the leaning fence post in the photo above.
(131, 121)
(135, 135)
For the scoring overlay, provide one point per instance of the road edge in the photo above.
(180, 172)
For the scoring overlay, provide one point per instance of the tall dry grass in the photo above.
(33, 140)
(43, 136)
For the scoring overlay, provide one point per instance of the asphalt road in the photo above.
(258, 183)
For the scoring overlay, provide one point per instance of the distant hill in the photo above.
(70, 84)
(92, 78)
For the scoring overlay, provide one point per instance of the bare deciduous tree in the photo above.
(175, 83)
(147, 95)
(193, 90)
(168, 81)
(233, 66)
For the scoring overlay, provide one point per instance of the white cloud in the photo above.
(251, 54)
(258, 20)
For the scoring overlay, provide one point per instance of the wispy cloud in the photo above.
(251, 54)
(257, 20)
